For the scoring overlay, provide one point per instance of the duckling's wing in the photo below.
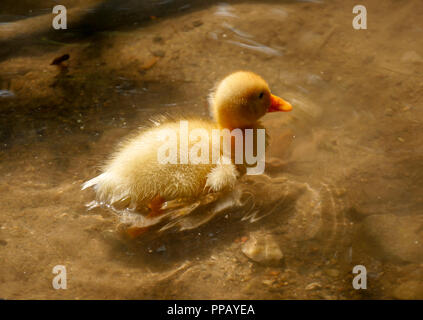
(222, 176)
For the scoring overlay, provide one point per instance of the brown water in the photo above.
(344, 173)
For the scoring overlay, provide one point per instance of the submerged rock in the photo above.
(332, 273)
(411, 56)
(394, 238)
(263, 249)
(313, 286)
(6, 94)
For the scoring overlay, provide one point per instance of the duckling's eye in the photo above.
(261, 95)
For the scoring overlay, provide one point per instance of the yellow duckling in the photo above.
(135, 177)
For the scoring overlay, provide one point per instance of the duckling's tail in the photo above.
(93, 182)
(109, 189)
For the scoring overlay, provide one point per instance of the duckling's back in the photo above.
(134, 175)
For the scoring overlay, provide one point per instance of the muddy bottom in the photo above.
(344, 170)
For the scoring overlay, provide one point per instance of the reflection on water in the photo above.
(343, 172)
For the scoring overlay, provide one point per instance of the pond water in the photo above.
(344, 170)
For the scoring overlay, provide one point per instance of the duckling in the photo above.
(133, 177)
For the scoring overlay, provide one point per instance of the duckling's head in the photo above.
(242, 98)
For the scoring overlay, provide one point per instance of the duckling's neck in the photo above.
(256, 125)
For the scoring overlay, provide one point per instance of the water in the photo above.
(344, 169)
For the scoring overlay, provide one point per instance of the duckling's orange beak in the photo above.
(278, 104)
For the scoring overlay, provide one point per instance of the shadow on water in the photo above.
(93, 23)
(72, 90)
